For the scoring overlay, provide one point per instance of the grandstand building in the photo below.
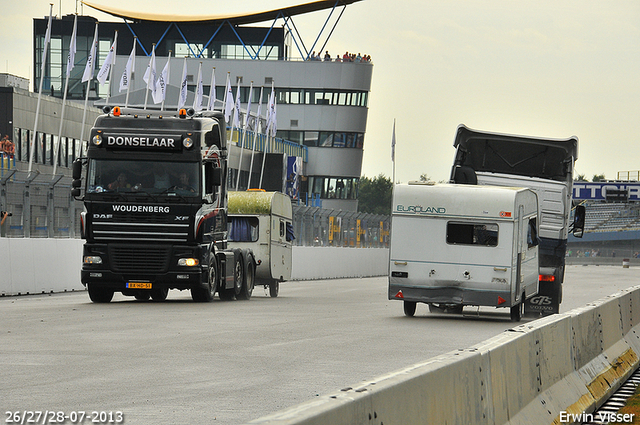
(612, 224)
(322, 106)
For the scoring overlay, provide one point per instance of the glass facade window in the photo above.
(291, 96)
(311, 138)
(334, 187)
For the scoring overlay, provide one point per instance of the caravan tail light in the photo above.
(546, 278)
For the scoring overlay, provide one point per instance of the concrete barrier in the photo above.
(311, 262)
(35, 266)
(549, 371)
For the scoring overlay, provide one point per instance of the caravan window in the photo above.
(485, 234)
(243, 229)
(532, 233)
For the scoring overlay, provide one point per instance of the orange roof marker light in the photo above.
(182, 113)
(116, 111)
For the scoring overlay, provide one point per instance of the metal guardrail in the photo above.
(42, 207)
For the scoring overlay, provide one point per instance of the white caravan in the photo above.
(456, 245)
(263, 222)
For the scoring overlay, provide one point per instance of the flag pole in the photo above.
(272, 99)
(166, 83)
(89, 67)
(212, 91)
(255, 136)
(152, 74)
(70, 64)
(133, 55)
(44, 61)
(393, 154)
(115, 40)
(244, 136)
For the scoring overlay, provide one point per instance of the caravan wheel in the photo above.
(274, 288)
(517, 311)
(409, 308)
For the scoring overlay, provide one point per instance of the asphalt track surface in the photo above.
(179, 362)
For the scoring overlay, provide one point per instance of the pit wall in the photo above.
(537, 373)
(35, 266)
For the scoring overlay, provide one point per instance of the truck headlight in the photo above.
(189, 262)
(187, 142)
(97, 140)
(92, 259)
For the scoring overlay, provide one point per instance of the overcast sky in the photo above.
(544, 68)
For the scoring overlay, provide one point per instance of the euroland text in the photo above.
(600, 417)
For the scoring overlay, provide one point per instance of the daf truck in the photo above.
(545, 166)
(154, 187)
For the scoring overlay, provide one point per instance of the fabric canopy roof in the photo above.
(236, 19)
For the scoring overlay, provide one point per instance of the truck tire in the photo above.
(238, 274)
(159, 294)
(409, 308)
(142, 295)
(205, 294)
(249, 279)
(100, 295)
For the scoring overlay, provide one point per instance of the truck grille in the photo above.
(120, 229)
(139, 259)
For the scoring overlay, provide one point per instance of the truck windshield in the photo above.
(153, 177)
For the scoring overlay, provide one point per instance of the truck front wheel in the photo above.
(159, 294)
(200, 294)
(98, 294)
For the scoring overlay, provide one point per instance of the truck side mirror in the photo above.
(579, 215)
(213, 177)
(77, 169)
(217, 176)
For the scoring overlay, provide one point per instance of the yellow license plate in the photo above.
(139, 285)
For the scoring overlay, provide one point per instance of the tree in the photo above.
(374, 195)
(598, 178)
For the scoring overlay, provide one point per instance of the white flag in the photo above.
(161, 84)
(236, 108)
(246, 120)
(183, 86)
(197, 101)
(47, 38)
(257, 124)
(393, 142)
(268, 114)
(90, 66)
(150, 74)
(274, 119)
(71, 58)
(126, 75)
(212, 91)
(228, 101)
(108, 62)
